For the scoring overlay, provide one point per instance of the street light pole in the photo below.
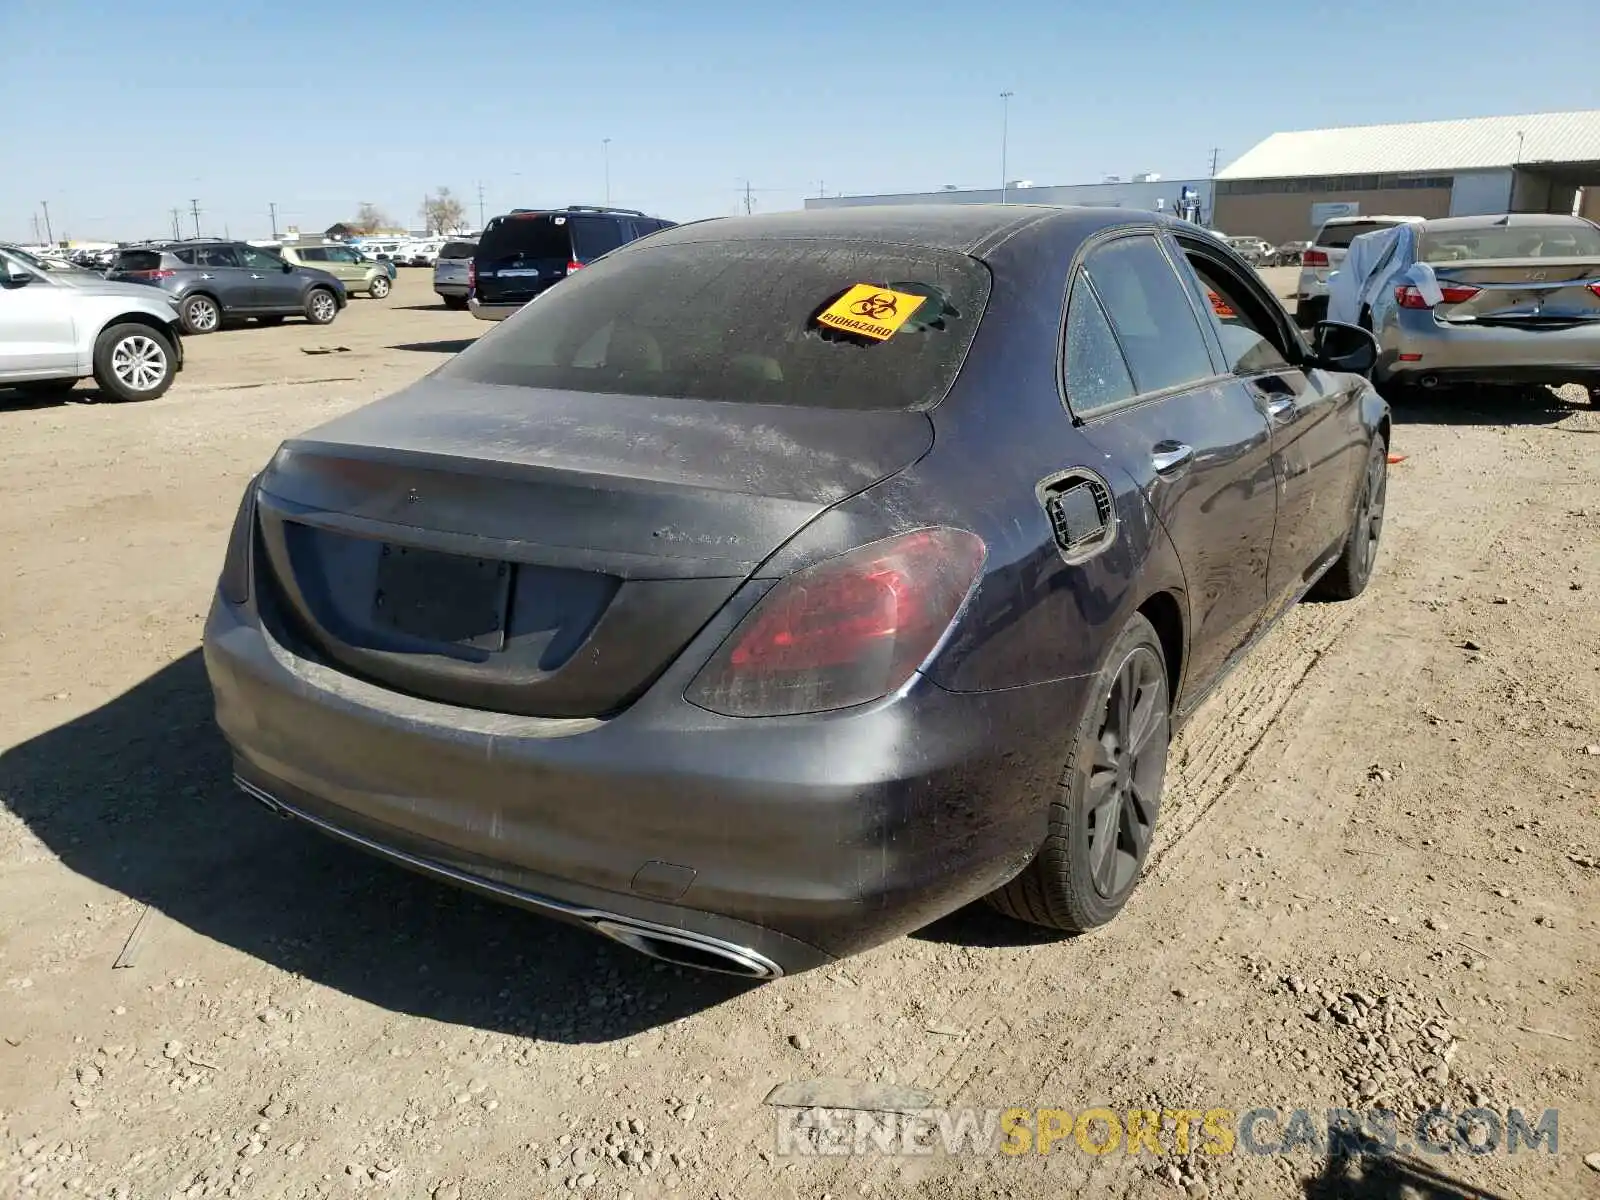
(49, 234)
(605, 153)
(1005, 132)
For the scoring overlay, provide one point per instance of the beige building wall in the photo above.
(1589, 205)
(1286, 217)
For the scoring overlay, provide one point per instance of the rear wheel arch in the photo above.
(1165, 613)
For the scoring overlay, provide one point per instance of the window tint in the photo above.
(1249, 340)
(458, 249)
(594, 236)
(1154, 321)
(216, 256)
(1339, 237)
(141, 260)
(532, 236)
(184, 256)
(1096, 373)
(736, 321)
(259, 260)
(314, 254)
(340, 254)
(1510, 241)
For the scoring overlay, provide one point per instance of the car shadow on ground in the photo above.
(136, 796)
(25, 400)
(449, 346)
(422, 307)
(1370, 1172)
(1481, 406)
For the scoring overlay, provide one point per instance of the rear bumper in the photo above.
(1487, 353)
(803, 839)
(449, 289)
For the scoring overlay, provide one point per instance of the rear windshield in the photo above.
(1510, 241)
(138, 260)
(1340, 236)
(737, 321)
(536, 236)
(458, 249)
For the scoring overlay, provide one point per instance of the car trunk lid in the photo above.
(1527, 291)
(542, 552)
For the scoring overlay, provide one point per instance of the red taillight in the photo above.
(472, 273)
(151, 274)
(845, 631)
(574, 265)
(1407, 296)
(1314, 258)
(1595, 288)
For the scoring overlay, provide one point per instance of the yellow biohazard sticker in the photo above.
(870, 311)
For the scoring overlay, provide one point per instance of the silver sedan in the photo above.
(1484, 300)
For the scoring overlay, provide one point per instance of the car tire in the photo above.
(1103, 813)
(200, 314)
(456, 302)
(380, 287)
(1350, 573)
(321, 306)
(133, 362)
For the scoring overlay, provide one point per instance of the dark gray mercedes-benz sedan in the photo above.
(777, 585)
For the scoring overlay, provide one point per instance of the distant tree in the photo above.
(443, 212)
(369, 218)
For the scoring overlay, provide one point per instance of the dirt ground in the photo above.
(1377, 881)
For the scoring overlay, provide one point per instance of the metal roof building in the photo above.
(1288, 184)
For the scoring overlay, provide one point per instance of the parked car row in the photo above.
(215, 282)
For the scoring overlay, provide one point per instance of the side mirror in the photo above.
(287, 266)
(1336, 346)
(12, 277)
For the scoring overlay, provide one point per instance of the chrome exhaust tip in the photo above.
(1429, 382)
(685, 949)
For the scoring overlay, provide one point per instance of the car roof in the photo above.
(1502, 220)
(1359, 220)
(965, 228)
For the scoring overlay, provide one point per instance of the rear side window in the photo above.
(1151, 314)
(737, 321)
(1097, 375)
(533, 236)
(313, 254)
(1339, 237)
(184, 256)
(594, 236)
(140, 260)
(458, 249)
(217, 256)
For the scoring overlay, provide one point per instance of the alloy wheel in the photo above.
(1371, 524)
(1129, 759)
(322, 306)
(203, 315)
(139, 362)
(380, 287)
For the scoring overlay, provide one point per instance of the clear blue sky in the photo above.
(117, 112)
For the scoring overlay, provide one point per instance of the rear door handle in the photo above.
(1169, 458)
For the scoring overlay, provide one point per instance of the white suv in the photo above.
(1323, 257)
(57, 327)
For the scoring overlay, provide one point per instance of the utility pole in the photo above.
(194, 207)
(480, 205)
(49, 234)
(177, 233)
(821, 188)
(749, 202)
(272, 211)
(1005, 134)
(1215, 150)
(605, 151)
(36, 229)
